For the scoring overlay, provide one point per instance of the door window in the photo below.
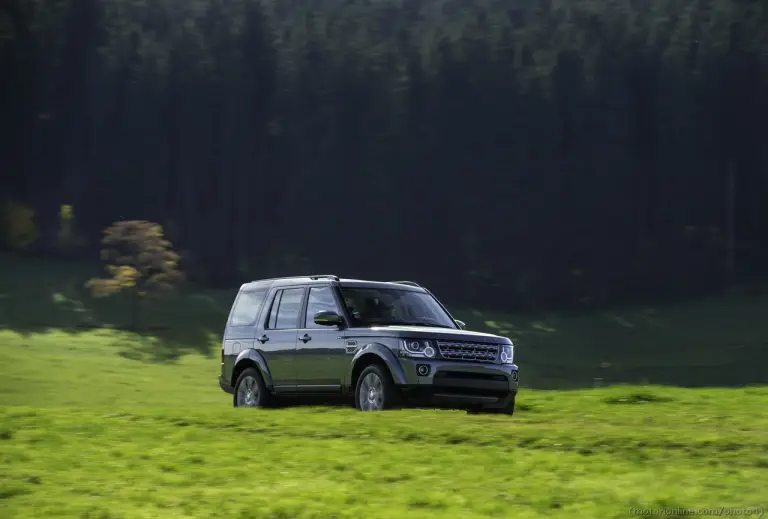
(272, 320)
(320, 299)
(288, 309)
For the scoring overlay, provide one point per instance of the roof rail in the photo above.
(314, 277)
(325, 276)
(409, 283)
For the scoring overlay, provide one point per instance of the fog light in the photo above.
(514, 376)
(422, 369)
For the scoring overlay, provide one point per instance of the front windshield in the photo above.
(383, 306)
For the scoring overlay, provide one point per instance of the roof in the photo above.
(325, 278)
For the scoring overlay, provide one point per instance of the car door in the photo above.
(321, 360)
(278, 342)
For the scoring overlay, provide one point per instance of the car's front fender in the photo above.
(382, 352)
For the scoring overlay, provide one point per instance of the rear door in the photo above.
(278, 340)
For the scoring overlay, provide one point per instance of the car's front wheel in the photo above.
(375, 390)
(508, 409)
(250, 390)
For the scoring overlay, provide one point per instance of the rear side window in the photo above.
(247, 307)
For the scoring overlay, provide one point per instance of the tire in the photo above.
(508, 409)
(375, 390)
(250, 390)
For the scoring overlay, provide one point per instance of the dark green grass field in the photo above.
(101, 423)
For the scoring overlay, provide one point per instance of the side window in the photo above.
(272, 321)
(289, 308)
(247, 307)
(320, 298)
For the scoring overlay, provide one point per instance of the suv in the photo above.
(385, 343)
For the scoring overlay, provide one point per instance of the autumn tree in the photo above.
(140, 261)
(19, 226)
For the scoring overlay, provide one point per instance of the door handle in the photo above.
(305, 338)
(263, 338)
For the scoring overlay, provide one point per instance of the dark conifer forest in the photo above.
(517, 154)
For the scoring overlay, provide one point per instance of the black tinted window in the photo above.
(320, 299)
(247, 307)
(289, 308)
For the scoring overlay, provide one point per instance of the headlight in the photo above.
(417, 348)
(507, 354)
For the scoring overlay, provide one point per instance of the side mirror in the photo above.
(328, 318)
(461, 324)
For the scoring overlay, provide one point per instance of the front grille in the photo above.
(468, 351)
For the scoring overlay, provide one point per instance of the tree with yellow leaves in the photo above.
(20, 229)
(140, 261)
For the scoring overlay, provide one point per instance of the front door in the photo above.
(278, 342)
(321, 359)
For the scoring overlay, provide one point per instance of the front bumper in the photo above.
(470, 383)
(225, 386)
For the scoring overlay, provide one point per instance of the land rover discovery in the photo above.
(387, 344)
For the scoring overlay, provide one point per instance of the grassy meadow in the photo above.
(101, 423)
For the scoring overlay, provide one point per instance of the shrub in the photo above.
(140, 262)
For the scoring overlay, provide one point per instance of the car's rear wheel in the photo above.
(375, 390)
(250, 390)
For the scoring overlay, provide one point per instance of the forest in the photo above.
(517, 154)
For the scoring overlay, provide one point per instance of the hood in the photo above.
(426, 332)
